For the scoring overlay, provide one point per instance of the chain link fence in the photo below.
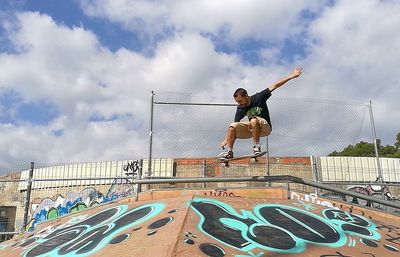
(186, 131)
(12, 200)
(191, 126)
(35, 192)
(48, 191)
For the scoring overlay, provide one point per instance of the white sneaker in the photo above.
(256, 150)
(226, 155)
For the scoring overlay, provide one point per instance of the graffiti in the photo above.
(120, 188)
(351, 209)
(390, 238)
(218, 229)
(212, 250)
(395, 240)
(278, 228)
(345, 207)
(84, 236)
(391, 248)
(372, 190)
(352, 224)
(369, 190)
(220, 192)
(338, 254)
(132, 168)
(389, 228)
(311, 198)
(47, 208)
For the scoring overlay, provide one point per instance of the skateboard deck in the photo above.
(253, 158)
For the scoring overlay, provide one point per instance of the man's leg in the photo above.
(255, 130)
(228, 142)
(230, 138)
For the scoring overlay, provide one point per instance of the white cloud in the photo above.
(355, 59)
(84, 80)
(356, 40)
(272, 20)
(68, 68)
(53, 62)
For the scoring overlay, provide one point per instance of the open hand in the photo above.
(297, 72)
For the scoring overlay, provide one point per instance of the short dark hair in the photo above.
(240, 91)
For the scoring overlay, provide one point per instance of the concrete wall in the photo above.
(336, 168)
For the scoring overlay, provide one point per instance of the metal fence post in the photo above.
(204, 171)
(28, 196)
(151, 135)
(139, 176)
(268, 164)
(149, 162)
(378, 164)
(314, 171)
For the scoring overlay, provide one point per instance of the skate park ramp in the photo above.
(214, 222)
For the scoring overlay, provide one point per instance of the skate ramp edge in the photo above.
(215, 222)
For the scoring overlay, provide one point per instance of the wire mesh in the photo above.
(7, 170)
(12, 201)
(188, 125)
(58, 189)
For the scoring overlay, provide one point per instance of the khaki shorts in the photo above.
(243, 131)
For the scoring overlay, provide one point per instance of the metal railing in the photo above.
(124, 177)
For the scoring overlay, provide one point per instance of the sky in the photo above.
(76, 76)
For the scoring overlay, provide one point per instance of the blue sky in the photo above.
(76, 75)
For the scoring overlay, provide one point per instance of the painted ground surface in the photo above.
(227, 222)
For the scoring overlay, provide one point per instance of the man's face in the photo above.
(241, 100)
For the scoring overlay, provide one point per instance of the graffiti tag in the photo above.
(88, 236)
(278, 228)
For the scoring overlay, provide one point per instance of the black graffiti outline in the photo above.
(393, 239)
(390, 228)
(352, 224)
(92, 233)
(220, 192)
(132, 166)
(240, 231)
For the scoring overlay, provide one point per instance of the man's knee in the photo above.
(254, 122)
(232, 130)
(233, 125)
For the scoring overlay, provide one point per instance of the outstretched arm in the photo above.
(295, 73)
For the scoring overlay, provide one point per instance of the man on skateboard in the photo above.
(259, 122)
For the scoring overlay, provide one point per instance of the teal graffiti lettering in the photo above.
(278, 228)
(88, 236)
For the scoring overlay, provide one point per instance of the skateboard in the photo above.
(253, 158)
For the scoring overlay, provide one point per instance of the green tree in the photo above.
(397, 144)
(365, 149)
(360, 149)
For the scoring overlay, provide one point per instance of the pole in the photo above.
(279, 179)
(314, 172)
(28, 196)
(138, 187)
(379, 177)
(151, 135)
(268, 165)
(204, 170)
(378, 164)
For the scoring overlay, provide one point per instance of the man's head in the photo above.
(241, 97)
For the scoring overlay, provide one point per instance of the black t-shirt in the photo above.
(258, 107)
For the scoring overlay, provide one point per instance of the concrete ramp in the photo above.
(226, 222)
